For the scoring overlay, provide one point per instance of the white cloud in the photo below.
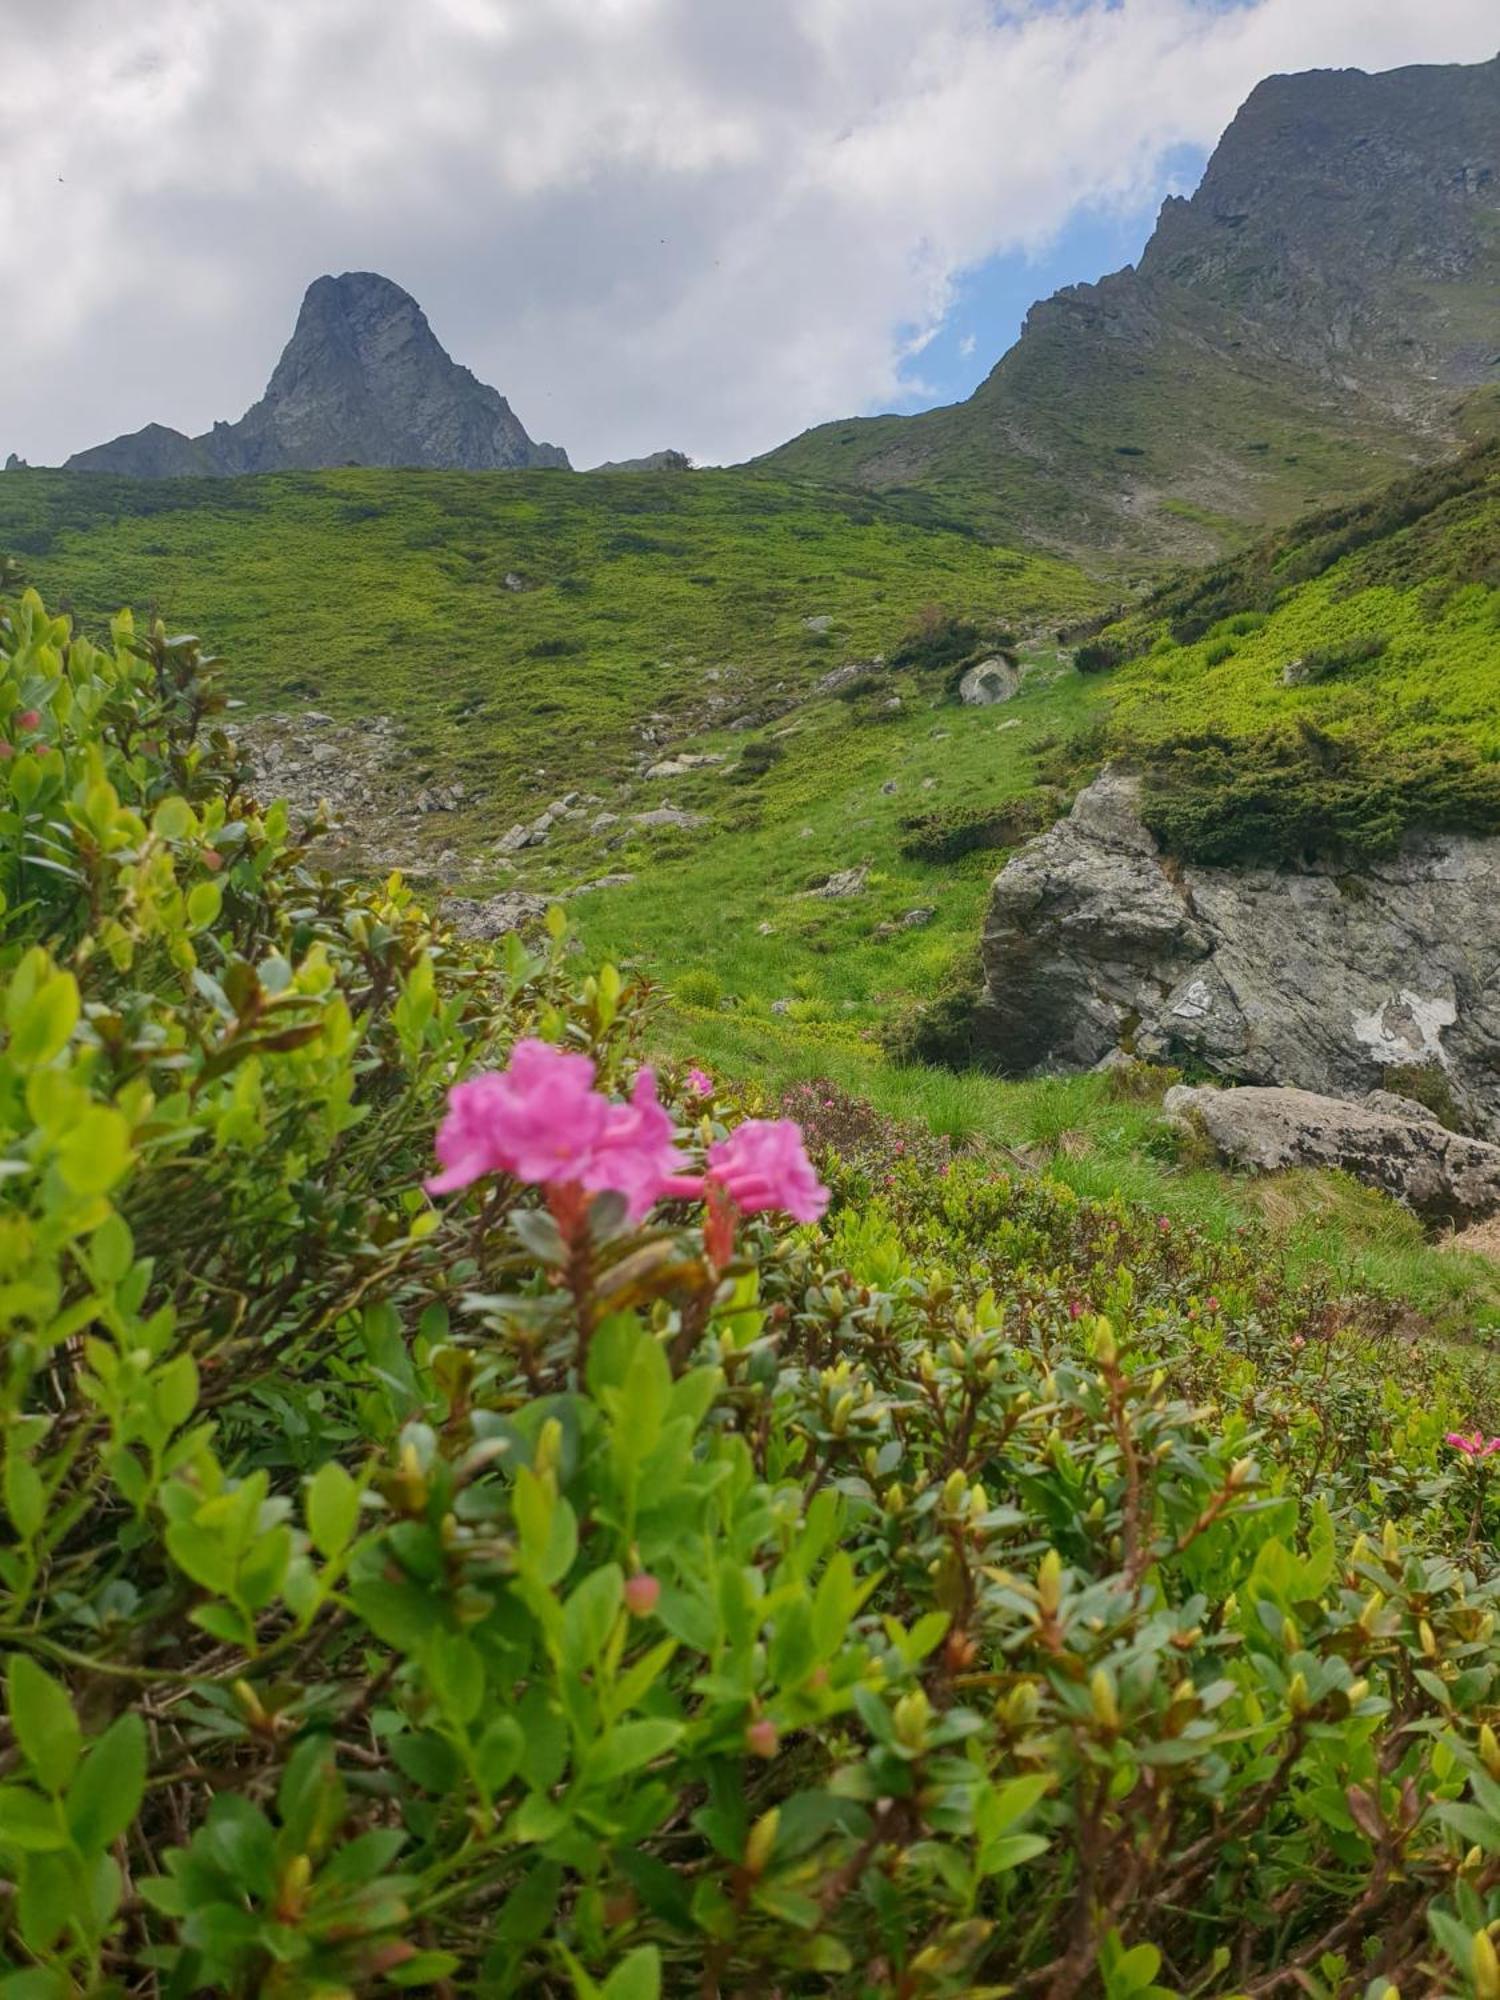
(967, 345)
(705, 223)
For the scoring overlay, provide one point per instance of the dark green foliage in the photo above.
(1427, 1084)
(757, 758)
(940, 1028)
(936, 639)
(1295, 794)
(1321, 663)
(1098, 656)
(949, 835)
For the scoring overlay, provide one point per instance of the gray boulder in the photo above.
(992, 681)
(1322, 977)
(1442, 1175)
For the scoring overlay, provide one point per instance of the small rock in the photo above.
(911, 920)
(670, 816)
(512, 581)
(765, 929)
(847, 882)
(781, 1006)
(679, 767)
(602, 822)
(315, 718)
(514, 841)
(844, 676)
(893, 703)
(511, 910)
(889, 787)
(928, 784)
(821, 623)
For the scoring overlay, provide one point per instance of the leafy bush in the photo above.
(1321, 663)
(949, 834)
(698, 987)
(936, 639)
(1099, 656)
(1296, 794)
(757, 758)
(980, 1589)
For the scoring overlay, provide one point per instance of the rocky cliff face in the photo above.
(362, 381)
(1312, 318)
(1323, 978)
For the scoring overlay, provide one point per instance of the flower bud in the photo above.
(1489, 1750)
(1049, 1582)
(1427, 1638)
(762, 1738)
(1104, 1343)
(1484, 1967)
(1298, 1695)
(1102, 1700)
(761, 1841)
(843, 1410)
(548, 1453)
(954, 1491)
(641, 1594)
(913, 1713)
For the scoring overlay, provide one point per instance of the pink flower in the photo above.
(1212, 1305)
(540, 1120)
(700, 1083)
(635, 1155)
(29, 718)
(1477, 1446)
(763, 1164)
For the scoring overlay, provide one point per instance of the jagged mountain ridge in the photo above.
(362, 381)
(1324, 310)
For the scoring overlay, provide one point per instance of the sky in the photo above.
(705, 224)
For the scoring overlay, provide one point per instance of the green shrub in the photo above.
(936, 639)
(698, 987)
(949, 834)
(1099, 656)
(1296, 794)
(981, 1588)
(757, 758)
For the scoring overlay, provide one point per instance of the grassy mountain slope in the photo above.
(1331, 686)
(366, 592)
(1319, 315)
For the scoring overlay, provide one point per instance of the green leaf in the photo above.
(455, 1673)
(637, 1977)
(25, 1495)
(628, 1746)
(96, 1152)
(106, 1795)
(39, 1030)
(203, 905)
(499, 1753)
(30, 1822)
(44, 1723)
(332, 1508)
(589, 1616)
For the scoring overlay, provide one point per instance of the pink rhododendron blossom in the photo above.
(1477, 1446)
(700, 1083)
(763, 1164)
(635, 1155)
(29, 718)
(540, 1119)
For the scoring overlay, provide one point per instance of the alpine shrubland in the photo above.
(982, 1588)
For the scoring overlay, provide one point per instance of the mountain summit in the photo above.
(362, 381)
(1323, 311)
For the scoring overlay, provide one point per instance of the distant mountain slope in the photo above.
(362, 381)
(1320, 313)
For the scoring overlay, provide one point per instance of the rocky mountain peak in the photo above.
(362, 381)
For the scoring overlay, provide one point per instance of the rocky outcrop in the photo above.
(362, 381)
(990, 682)
(654, 461)
(1386, 1142)
(1325, 978)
